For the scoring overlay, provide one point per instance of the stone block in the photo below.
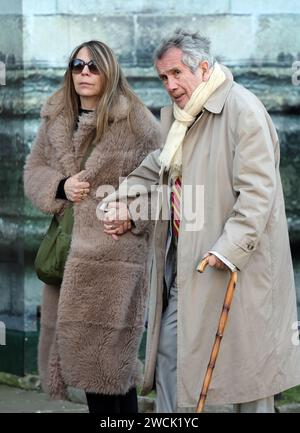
(11, 285)
(11, 142)
(2, 74)
(11, 39)
(272, 85)
(289, 135)
(11, 189)
(12, 7)
(5, 288)
(69, 31)
(266, 6)
(33, 294)
(41, 7)
(277, 38)
(225, 31)
(95, 7)
(142, 7)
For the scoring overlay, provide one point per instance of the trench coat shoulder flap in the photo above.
(216, 101)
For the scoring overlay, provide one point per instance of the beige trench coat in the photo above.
(233, 151)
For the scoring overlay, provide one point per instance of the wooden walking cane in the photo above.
(222, 322)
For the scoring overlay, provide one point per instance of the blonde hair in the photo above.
(114, 84)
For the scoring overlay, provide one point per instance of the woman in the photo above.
(91, 326)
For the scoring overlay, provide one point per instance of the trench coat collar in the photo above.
(215, 102)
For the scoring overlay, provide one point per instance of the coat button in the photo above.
(250, 247)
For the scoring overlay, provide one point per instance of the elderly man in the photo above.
(218, 135)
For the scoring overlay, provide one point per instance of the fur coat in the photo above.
(99, 320)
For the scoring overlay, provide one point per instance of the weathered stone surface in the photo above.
(150, 30)
(261, 7)
(142, 6)
(278, 35)
(12, 297)
(296, 264)
(11, 48)
(10, 7)
(42, 7)
(16, 400)
(71, 31)
(273, 85)
(267, 37)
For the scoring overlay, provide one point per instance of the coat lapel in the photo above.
(61, 141)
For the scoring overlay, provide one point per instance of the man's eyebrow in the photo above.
(175, 68)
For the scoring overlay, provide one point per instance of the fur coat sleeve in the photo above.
(40, 179)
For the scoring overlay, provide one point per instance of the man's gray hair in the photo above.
(195, 48)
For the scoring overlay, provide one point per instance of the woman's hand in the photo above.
(117, 220)
(75, 190)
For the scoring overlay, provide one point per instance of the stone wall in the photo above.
(259, 40)
(241, 32)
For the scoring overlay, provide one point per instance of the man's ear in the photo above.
(205, 70)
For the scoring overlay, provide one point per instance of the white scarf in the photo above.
(171, 155)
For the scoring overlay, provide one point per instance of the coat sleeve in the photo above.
(40, 180)
(148, 139)
(147, 175)
(138, 182)
(254, 182)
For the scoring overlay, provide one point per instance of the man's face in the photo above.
(178, 80)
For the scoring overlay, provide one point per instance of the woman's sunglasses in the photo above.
(78, 65)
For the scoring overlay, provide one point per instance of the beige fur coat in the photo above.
(91, 331)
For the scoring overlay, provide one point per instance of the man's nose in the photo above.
(171, 84)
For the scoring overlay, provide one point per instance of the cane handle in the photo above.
(202, 265)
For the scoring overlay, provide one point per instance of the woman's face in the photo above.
(87, 85)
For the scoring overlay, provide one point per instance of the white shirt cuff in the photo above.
(224, 260)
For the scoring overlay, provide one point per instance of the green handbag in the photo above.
(52, 254)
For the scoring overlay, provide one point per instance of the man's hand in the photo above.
(116, 220)
(214, 262)
(75, 190)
